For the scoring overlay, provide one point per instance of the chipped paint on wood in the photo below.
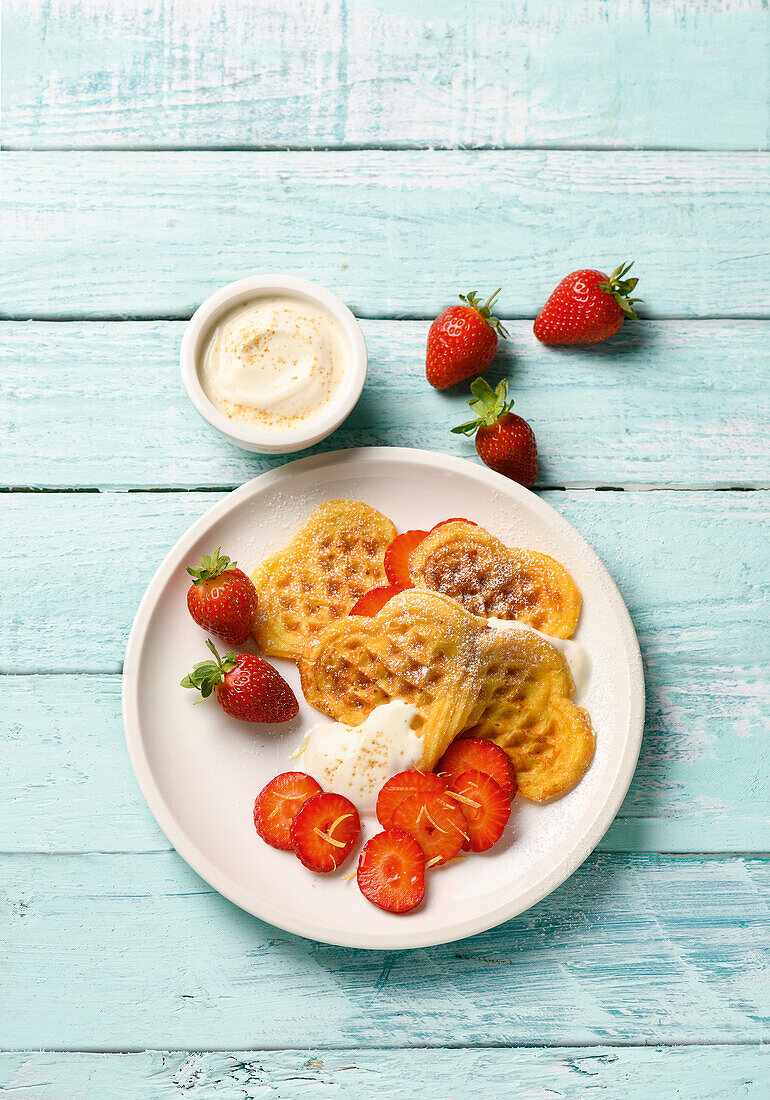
(385, 72)
(110, 949)
(559, 1073)
(654, 406)
(393, 233)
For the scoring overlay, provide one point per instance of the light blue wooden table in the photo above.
(397, 152)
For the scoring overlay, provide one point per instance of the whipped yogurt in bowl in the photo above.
(275, 363)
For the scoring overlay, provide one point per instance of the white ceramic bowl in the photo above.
(252, 438)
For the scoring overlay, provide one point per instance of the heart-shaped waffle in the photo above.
(525, 707)
(489, 578)
(420, 648)
(329, 564)
(510, 686)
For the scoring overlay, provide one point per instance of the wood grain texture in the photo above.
(107, 939)
(393, 233)
(385, 72)
(102, 952)
(560, 1073)
(692, 568)
(677, 556)
(654, 406)
(700, 785)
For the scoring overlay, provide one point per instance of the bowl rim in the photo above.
(250, 437)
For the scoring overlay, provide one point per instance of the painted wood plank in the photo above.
(561, 1073)
(691, 566)
(101, 951)
(675, 555)
(655, 406)
(393, 233)
(445, 72)
(700, 785)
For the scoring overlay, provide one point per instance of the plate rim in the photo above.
(399, 939)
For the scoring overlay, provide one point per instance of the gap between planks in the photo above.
(362, 1048)
(380, 147)
(580, 487)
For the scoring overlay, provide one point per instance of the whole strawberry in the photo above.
(222, 599)
(587, 307)
(462, 341)
(246, 687)
(504, 441)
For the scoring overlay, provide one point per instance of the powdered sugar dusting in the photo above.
(415, 492)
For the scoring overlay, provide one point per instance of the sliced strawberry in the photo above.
(401, 786)
(398, 554)
(324, 831)
(436, 822)
(391, 871)
(485, 806)
(454, 519)
(474, 753)
(371, 601)
(277, 805)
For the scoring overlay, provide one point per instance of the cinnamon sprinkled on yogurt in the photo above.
(275, 362)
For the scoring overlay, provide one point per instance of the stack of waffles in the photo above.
(431, 645)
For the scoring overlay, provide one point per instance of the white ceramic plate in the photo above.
(200, 770)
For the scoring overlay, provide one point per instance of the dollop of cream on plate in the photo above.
(356, 760)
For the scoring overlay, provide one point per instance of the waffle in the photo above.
(512, 687)
(490, 579)
(420, 648)
(525, 707)
(332, 561)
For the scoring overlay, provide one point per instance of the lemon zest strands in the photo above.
(328, 836)
(298, 752)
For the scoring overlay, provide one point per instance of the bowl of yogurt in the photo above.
(273, 362)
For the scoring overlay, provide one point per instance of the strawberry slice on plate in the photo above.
(324, 831)
(476, 754)
(400, 787)
(398, 554)
(485, 806)
(436, 822)
(454, 519)
(278, 803)
(391, 871)
(376, 598)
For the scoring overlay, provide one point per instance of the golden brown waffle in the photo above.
(420, 648)
(525, 707)
(511, 686)
(490, 579)
(331, 562)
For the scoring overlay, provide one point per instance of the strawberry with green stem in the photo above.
(504, 441)
(587, 307)
(221, 598)
(246, 687)
(462, 341)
